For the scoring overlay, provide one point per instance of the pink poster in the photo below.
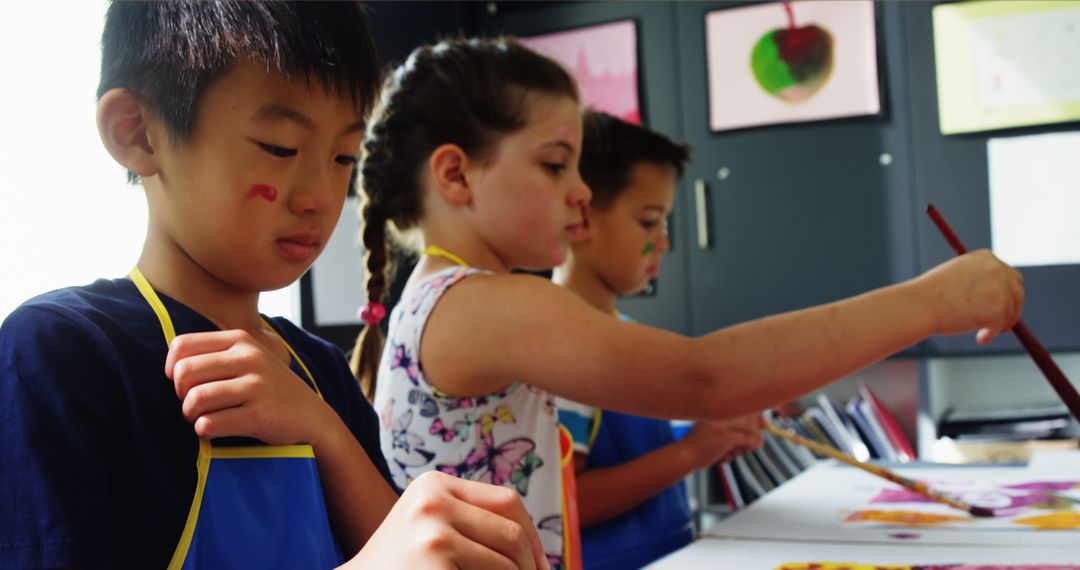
(603, 60)
(787, 62)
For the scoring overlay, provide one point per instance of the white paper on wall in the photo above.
(1035, 198)
(338, 274)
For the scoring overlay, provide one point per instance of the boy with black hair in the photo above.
(160, 420)
(631, 500)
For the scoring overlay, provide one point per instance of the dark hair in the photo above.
(167, 53)
(468, 92)
(611, 147)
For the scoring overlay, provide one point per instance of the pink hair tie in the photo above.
(372, 313)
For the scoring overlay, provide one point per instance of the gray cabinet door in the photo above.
(799, 214)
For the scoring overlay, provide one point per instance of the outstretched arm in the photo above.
(525, 328)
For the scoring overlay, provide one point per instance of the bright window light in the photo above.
(67, 214)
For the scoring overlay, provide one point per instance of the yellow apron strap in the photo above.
(295, 357)
(202, 464)
(598, 416)
(152, 298)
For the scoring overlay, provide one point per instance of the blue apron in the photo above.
(256, 506)
(653, 529)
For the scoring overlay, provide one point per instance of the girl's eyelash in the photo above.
(346, 160)
(278, 151)
(554, 167)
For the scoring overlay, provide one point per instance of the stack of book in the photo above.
(863, 428)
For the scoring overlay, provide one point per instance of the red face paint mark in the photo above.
(564, 132)
(268, 192)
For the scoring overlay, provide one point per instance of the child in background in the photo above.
(161, 421)
(630, 469)
(476, 144)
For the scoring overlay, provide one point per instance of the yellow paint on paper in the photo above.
(1064, 520)
(839, 566)
(905, 518)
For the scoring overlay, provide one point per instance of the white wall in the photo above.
(67, 214)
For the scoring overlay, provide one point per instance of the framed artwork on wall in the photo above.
(603, 59)
(1007, 64)
(790, 62)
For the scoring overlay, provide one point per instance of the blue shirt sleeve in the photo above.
(58, 445)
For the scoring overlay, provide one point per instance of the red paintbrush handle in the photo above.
(1049, 368)
(1034, 348)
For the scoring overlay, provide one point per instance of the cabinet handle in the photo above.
(701, 206)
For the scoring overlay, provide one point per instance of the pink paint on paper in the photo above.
(263, 190)
(603, 60)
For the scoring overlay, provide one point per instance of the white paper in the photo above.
(1056, 461)
(1035, 198)
(1025, 60)
(714, 553)
(814, 505)
(338, 274)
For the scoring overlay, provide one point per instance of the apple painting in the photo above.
(793, 63)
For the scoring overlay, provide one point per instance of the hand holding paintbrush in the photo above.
(1033, 347)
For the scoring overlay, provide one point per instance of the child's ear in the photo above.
(448, 165)
(123, 124)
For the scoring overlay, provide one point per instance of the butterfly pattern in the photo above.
(403, 360)
(508, 438)
(552, 526)
(502, 464)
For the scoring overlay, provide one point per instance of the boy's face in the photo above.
(627, 238)
(528, 196)
(252, 197)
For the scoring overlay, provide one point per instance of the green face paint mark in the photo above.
(648, 249)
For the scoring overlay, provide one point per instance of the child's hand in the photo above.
(232, 385)
(445, 522)
(974, 291)
(713, 442)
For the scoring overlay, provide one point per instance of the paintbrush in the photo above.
(1034, 348)
(904, 482)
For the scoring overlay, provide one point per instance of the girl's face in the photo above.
(627, 238)
(528, 196)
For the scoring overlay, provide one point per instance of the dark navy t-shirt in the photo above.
(97, 463)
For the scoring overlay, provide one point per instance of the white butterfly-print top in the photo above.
(509, 438)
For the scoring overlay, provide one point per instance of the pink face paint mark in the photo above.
(557, 256)
(564, 132)
(267, 192)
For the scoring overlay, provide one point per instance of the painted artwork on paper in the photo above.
(1006, 64)
(603, 60)
(1044, 504)
(855, 566)
(834, 502)
(788, 62)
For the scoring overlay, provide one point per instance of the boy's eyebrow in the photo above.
(569, 147)
(281, 112)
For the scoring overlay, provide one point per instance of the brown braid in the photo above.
(369, 345)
